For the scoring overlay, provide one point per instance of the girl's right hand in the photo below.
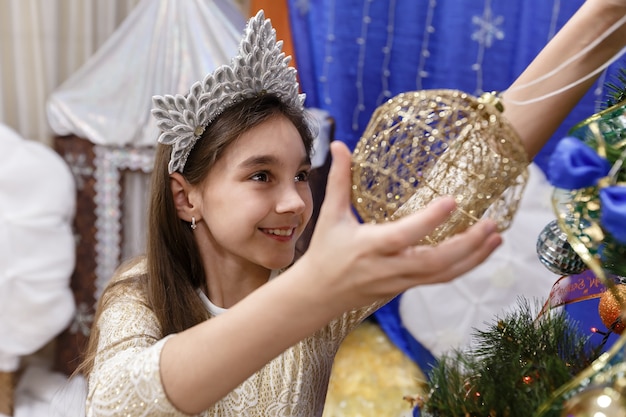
(363, 263)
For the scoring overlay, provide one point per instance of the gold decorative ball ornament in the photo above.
(424, 144)
(596, 401)
(610, 308)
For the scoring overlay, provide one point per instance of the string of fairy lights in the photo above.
(424, 52)
(328, 56)
(360, 66)
(385, 93)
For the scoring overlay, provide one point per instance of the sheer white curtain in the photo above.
(42, 42)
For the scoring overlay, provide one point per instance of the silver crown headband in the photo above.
(260, 67)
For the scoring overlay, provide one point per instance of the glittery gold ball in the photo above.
(610, 308)
(424, 144)
(594, 402)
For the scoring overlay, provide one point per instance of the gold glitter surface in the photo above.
(371, 377)
(610, 308)
(424, 144)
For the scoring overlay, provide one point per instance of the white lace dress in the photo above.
(125, 380)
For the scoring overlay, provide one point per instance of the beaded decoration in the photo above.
(260, 67)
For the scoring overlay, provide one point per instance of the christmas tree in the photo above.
(542, 365)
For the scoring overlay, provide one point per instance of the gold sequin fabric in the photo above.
(425, 144)
(371, 377)
(126, 380)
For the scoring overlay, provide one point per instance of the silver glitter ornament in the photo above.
(555, 252)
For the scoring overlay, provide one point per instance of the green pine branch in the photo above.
(515, 366)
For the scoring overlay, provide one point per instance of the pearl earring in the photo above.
(193, 223)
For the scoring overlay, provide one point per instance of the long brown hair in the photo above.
(174, 267)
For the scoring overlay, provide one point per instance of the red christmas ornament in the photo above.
(610, 309)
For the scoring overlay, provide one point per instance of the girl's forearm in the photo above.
(536, 122)
(216, 356)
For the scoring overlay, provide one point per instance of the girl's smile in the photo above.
(284, 234)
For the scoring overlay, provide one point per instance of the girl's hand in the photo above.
(362, 263)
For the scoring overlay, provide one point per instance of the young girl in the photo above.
(214, 320)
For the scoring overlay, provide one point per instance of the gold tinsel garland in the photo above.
(578, 213)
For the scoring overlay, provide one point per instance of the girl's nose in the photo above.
(293, 198)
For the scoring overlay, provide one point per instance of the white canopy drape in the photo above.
(44, 42)
(162, 47)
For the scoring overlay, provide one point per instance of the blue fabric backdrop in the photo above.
(352, 55)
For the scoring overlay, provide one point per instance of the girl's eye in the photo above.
(260, 176)
(303, 176)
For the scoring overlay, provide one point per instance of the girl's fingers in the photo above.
(339, 181)
(451, 258)
(422, 265)
(397, 235)
(461, 257)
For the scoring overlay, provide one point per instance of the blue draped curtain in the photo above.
(352, 55)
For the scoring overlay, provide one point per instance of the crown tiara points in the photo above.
(260, 67)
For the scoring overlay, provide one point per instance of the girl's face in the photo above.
(256, 200)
